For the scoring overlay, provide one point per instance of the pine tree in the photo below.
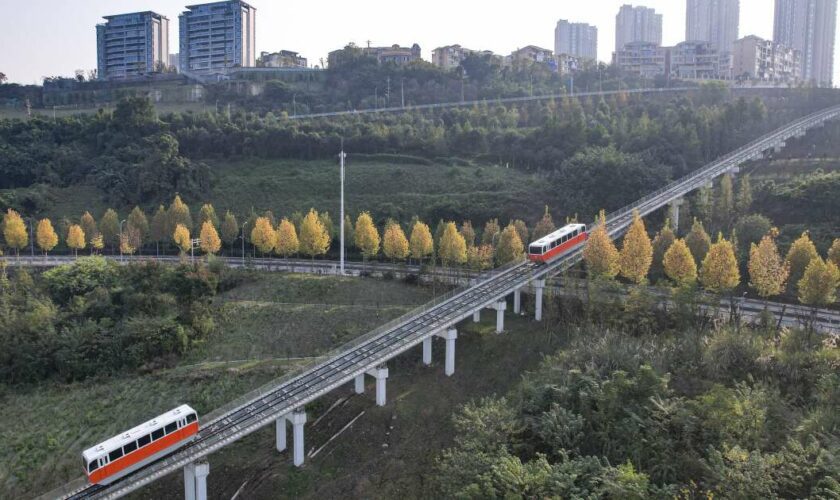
(745, 197)
(600, 254)
(510, 247)
(661, 243)
(109, 226)
(698, 241)
(544, 227)
(76, 238)
(287, 243)
(14, 231)
(468, 233)
(366, 236)
(422, 243)
(800, 254)
(314, 239)
(230, 229)
(45, 236)
(88, 224)
(818, 286)
(138, 226)
(768, 271)
(159, 228)
(679, 265)
(636, 252)
(719, 272)
(834, 252)
(210, 241)
(453, 248)
(181, 237)
(179, 213)
(394, 243)
(208, 214)
(262, 235)
(491, 233)
(522, 231)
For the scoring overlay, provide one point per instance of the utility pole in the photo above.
(402, 92)
(342, 156)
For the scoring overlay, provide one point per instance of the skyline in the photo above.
(66, 33)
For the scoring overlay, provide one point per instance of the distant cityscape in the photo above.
(219, 38)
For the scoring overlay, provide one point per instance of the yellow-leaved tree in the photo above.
(818, 286)
(262, 235)
(453, 247)
(719, 272)
(480, 258)
(800, 254)
(76, 238)
(698, 241)
(679, 265)
(490, 235)
(636, 251)
(768, 271)
(287, 243)
(210, 241)
(600, 254)
(394, 243)
(314, 239)
(179, 213)
(97, 243)
(834, 252)
(366, 236)
(181, 237)
(468, 233)
(510, 247)
(45, 236)
(661, 243)
(544, 226)
(208, 214)
(14, 231)
(422, 244)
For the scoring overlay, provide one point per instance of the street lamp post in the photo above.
(342, 156)
(243, 242)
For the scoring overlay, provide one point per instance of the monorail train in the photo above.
(557, 243)
(131, 450)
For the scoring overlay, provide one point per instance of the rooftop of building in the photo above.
(114, 16)
(208, 4)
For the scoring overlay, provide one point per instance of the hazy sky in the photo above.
(55, 37)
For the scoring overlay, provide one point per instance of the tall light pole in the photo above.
(342, 156)
(243, 243)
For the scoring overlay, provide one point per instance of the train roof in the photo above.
(132, 434)
(568, 228)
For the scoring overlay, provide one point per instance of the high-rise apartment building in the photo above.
(131, 45)
(637, 24)
(217, 36)
(809, 27)
(576, 39)
(713, 21)
(763, 60)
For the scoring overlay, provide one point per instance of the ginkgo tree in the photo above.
(768, 270)
(678, 264)
(719, 272)
(45, 236)
(76, 238)
(14, 231)
(314, 239)
(394, 243)
(366, 236)
(287, 243)
(636, 252)
(421, 244)
(210, 241)
(600, 254)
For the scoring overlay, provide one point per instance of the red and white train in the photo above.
(553, 245)
(127, 452)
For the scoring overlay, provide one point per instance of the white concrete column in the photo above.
(517, 301)
(202, 469)
(298, 418)
(280, 433)
(477, 316)
(675, 213)
(189, 482)
(360, 383)
(539, 287)
(500, 315)
(380, 373)
(450, 336)
(427, 351)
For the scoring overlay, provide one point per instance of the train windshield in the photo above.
(536, 250)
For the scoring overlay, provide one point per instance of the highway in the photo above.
(264, 406)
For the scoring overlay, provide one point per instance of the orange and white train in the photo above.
(131, 450)
(553, 245)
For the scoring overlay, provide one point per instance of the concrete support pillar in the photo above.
(450, 336)
(675, 213)
(427, 351)
(202, 469)
(477, 316)
(517, 301)
(280, 433)
(539, 287)
(500, 315)
(298, 419)
(380, 373)
(189, 482)
(360, 383)
(732, 172)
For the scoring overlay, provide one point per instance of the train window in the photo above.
(157, 434)
(191, 418)
(130, 447)
(171, 427)
(93, 466)
(115, 454)
(144, 440)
